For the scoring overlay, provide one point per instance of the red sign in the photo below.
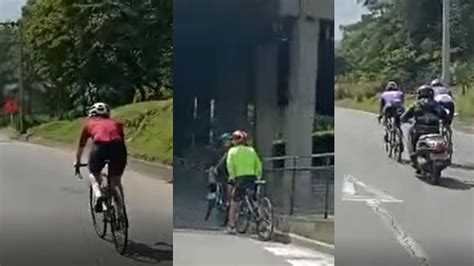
(10, 107)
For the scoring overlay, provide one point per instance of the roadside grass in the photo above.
(148, 128)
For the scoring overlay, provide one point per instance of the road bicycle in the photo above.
(113, 213)
(394, 140)
(256, 208)
(218, 201)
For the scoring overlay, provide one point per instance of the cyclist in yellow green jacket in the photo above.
(244, 167)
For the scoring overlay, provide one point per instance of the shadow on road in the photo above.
(405, 162)
(455, 184)
(462, 166)
(451, 183)
(149, 254)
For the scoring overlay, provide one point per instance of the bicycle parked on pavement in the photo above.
(113, 213)
(218, 201)
(256, 208)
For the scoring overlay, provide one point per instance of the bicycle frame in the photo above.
(110, 215)
(254, 201)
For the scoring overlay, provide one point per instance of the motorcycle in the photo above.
(433, 157)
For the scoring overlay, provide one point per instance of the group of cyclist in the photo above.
(239, 167)
(434, 103)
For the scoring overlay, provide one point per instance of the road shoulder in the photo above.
(151, 169)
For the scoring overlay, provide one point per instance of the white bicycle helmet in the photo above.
(436, 83)
(99, 109)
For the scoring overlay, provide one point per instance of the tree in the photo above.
(88, 50)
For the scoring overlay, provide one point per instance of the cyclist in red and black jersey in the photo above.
(108, 144)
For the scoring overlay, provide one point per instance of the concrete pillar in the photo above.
(267, 111)
(302, 88)
(300, 111)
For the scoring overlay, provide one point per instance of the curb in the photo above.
(165, 172)
(288, 238)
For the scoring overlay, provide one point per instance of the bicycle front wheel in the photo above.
(265, 223)
(119, 222)
(98, 219)
(222, 214)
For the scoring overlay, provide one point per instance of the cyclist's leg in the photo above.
(236, 197)
(117, 164)
(96, 164)
(386, 118)
(451, 109)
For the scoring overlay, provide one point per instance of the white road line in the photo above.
(403, 238)
(297, 256)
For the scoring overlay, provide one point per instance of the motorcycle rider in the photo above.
(444, 96)
(391, 104)
(427, 113)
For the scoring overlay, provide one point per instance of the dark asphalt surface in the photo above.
(45, 219)
(198, 242)
(439, 219)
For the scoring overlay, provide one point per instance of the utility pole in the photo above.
(21, 83)
(21, 93)
(446, 42)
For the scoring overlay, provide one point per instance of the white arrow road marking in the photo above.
(309, 263)
(297, 256)
(350, 192)
(406, 241)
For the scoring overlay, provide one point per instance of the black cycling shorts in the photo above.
(393, 111)
(243, 183)
(114, 152)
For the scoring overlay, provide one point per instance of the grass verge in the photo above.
(464, 104)
(148, 128)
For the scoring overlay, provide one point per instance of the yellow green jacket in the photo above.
(243, 161)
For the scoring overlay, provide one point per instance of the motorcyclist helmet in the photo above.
(425, 92)
(436, 83)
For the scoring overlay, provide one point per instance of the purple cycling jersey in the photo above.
(391, 97)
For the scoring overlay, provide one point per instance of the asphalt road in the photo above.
(201, 243)
(45, 219)
(394, 218)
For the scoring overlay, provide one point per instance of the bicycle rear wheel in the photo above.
(265, 223)
(391, 143)
(399, 147)
(119, 221)
(98, 219)
(243, 218)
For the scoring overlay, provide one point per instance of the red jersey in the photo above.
(101, 130)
